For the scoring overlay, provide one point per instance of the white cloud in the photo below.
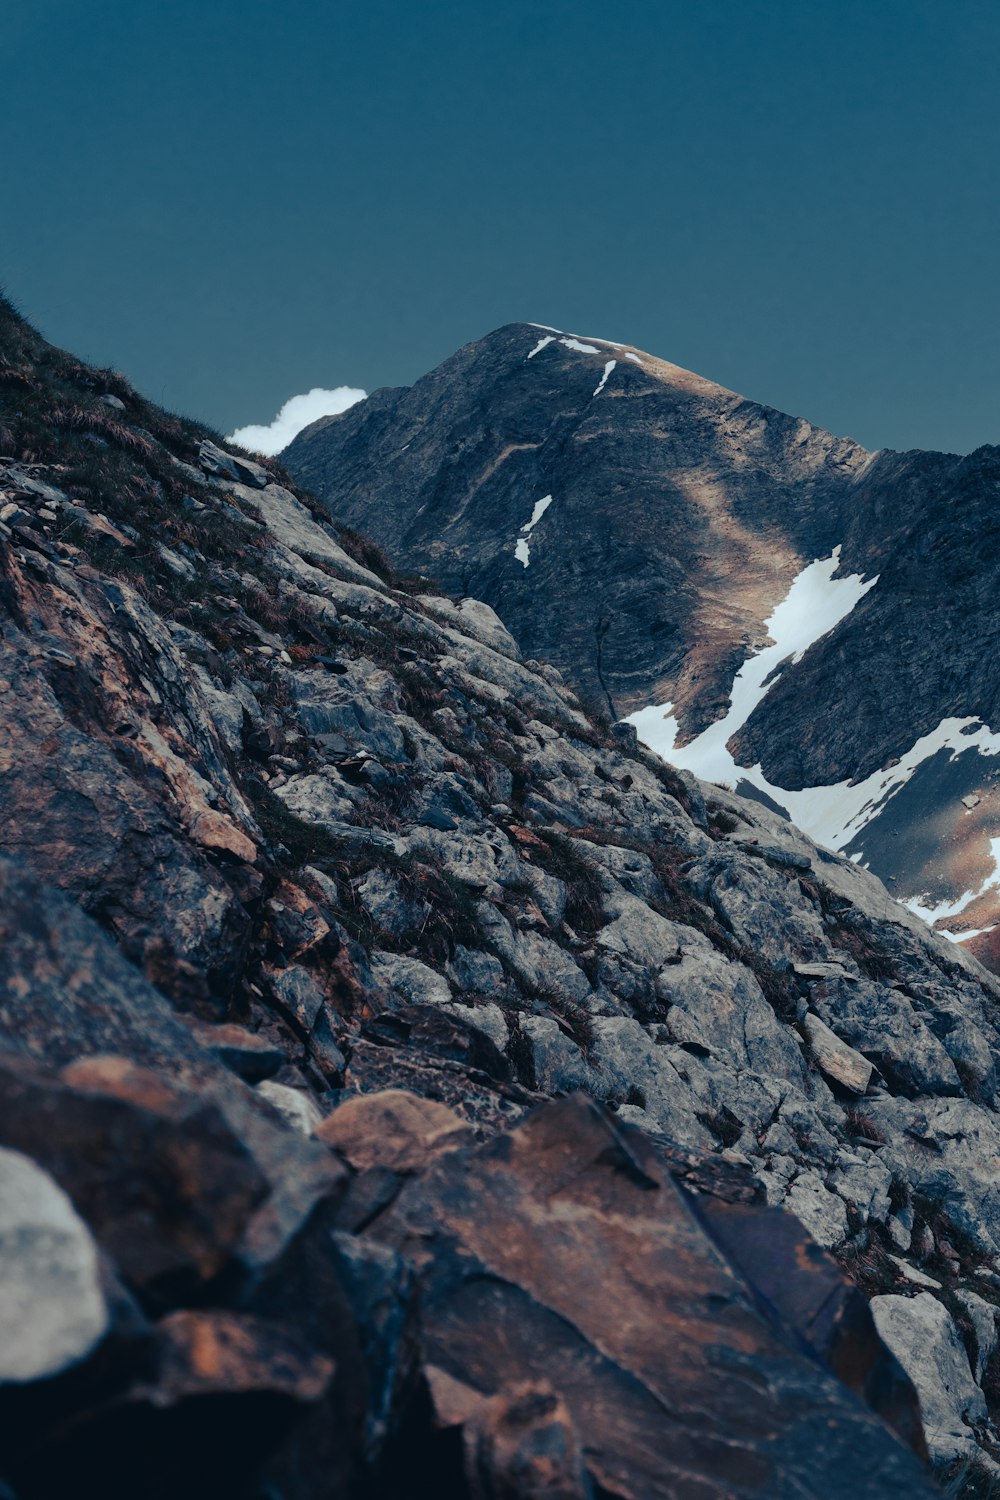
(296, 413)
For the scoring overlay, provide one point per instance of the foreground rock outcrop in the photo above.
(238, 1313)
(292, 838)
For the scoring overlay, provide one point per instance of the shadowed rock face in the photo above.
(680, 514)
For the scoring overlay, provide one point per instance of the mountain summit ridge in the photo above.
(681, 517)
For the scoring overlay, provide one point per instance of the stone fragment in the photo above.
(522, 1444)
(393, 1129)
(834, 1057)
(821, 1211)
(913, 1274)
(983, 1317)
(215, 460)
(245, 1053)
(293, 1105)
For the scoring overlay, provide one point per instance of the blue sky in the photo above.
(235, 201)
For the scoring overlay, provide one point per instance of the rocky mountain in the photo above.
(773, 606)
(411, 1084)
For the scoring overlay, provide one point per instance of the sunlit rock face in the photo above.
(777, 608)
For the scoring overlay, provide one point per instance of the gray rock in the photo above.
(643, 935)
(473, 617)
(835, 1058)
(718, 1004)
(228, 466)
(381, 896)
(324, 799)
(629, 1067)
(881, 1024)
(983, 1317)
(866, 1185)
(52, 1309)
(921, 1334)
(765, 910)
(293, 1105)
(409, 981)
(474, 969)
(821, 1211)
(486, 1019)
(559, 1063)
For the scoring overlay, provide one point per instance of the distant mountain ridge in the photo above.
(677, 517)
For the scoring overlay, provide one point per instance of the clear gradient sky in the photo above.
(234, 201)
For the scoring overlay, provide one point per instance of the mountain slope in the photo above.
(364, 893)
(681, 517)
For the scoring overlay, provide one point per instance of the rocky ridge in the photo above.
(376, 895)
(638, 526)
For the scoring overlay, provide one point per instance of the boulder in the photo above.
(922, 1335)
(392, 1129)
(166, 1186)
(53, 1312)
(566, 1234)
(883, 1025)
(294, 1105)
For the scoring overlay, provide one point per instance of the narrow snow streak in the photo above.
(521, 550)
(815, 603)
(549, 339)
(604, 378)
(580, 348)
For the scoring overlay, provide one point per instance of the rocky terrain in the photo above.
(413, 1086)
(638, 526)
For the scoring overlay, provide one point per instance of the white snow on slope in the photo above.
(835, 814)
(296, 413)
(522, 551)
(580, 348)
(815, 603)
(635, 360)
(604, 378)
(549, 339)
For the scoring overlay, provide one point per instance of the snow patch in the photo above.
(636, 360)
(832, 815)
(580, 348)
(521, 550)
(815, 603)
(604, 378)
(549, 339)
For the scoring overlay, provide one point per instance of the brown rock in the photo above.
(522, 1445)
(245, 1053)
(163, 1182)
(215, 1353)
(563, 1246)
(393, 1129)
